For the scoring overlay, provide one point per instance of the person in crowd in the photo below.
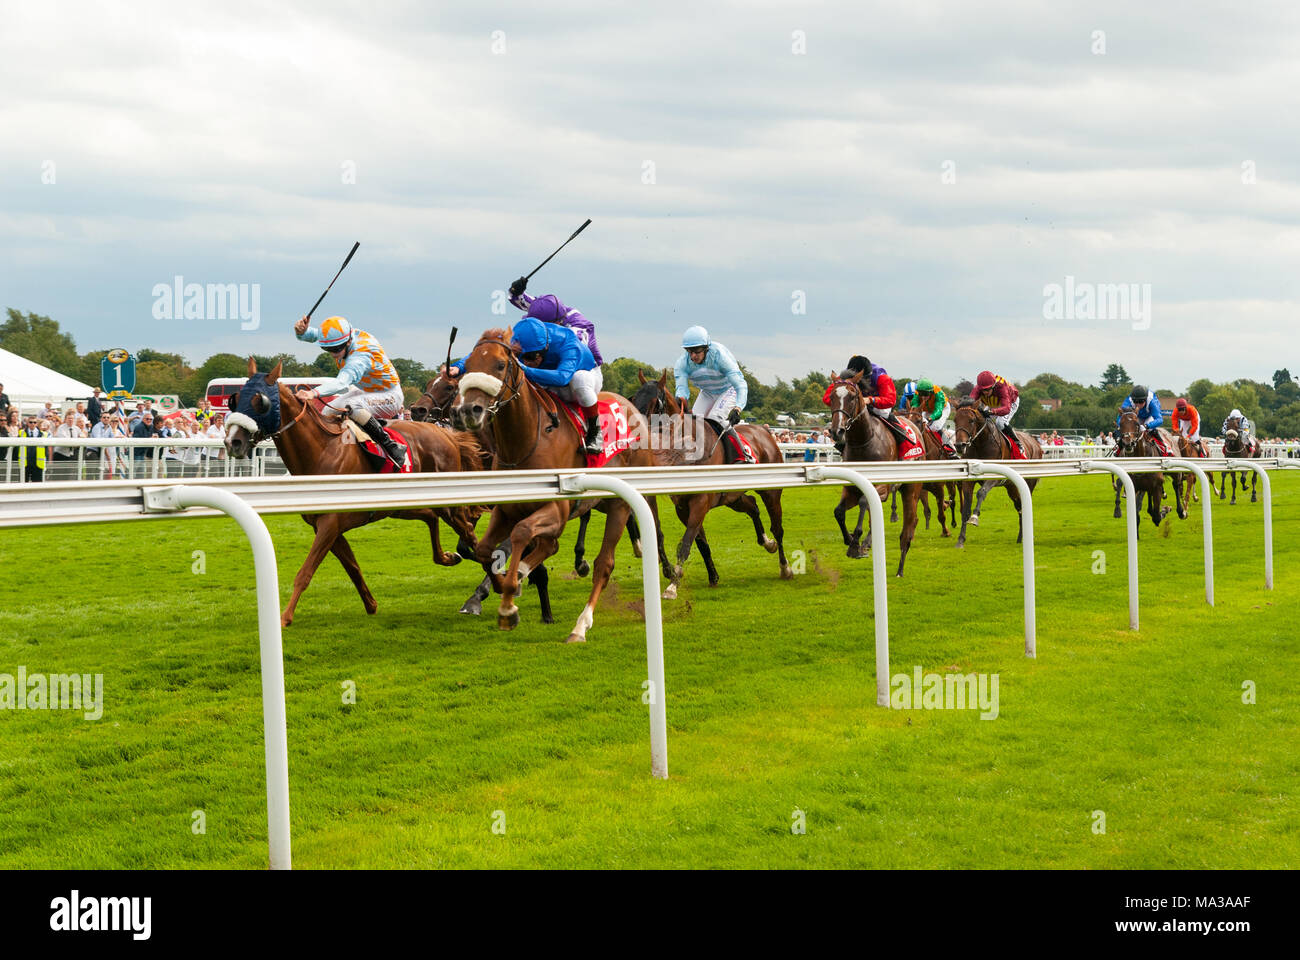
(70, 427)
(142, 430)
(4, 403)
(32, 459)
(94, 407)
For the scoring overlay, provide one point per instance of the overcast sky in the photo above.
(921, 172)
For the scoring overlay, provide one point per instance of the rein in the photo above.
(499, 404)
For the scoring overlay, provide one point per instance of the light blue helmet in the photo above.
(695, 337)
(909, 390)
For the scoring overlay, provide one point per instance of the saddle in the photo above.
(737, 448)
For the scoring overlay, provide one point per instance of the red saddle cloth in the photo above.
(613, 427)
(380, 459)
(912, 448)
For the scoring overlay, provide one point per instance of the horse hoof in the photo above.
(636, 549)
(974, 520)
(574, 638)
(451, 559)
(769, 545)
(671, 592)
(286, 620)
(547, 618)
(787, 573)
(582, 568)
(508, 621)
(371, 608)
(713, 582)
(472, 607)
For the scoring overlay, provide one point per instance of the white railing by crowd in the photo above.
(166, 457)
(246, 498)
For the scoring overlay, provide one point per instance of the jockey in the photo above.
(553, 357)
(1236, 420)
(933, 403)
(1000, 398)
(1147, 407)
(877, 388)
(908, 397)
(366, 387)
(548, 309)
(712, 368)
(1186, 420)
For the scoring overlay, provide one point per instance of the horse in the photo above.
(934, 450)
(865, 437)
(983, 440)
(520, 420)
(1134, 442)
(1235, 447)
(1191, 450)
(311, 445)
(435, 404)
(689, 432)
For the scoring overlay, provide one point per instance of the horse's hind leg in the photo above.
(706, 554)
(474, 605)
(581, 566)
(634, 534)
(925, 507)
(615, 521)
(749, 506)
(540, 579)
(772, 500)
(985, 487)
(911, 493)
(965, 489)
(1253, 480)
(893, 504)
(343, 550)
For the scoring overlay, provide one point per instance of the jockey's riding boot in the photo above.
(593, 442)
(386, 443)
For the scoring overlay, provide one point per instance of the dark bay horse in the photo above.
(498, 401)
(1134, 442)
(865, 437)
(699, 445)
(979, 438)
(1234, 445)
(309, 444)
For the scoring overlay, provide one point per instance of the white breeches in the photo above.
(1003, 421)
(583, 389)
(386, 404)
(715, 406)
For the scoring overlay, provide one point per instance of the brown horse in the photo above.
(498, 401)
(1189, 450)
(1236, 447)
(435, 404)
(311, 445)
(699, 445)
(1134, 442)
(865, 437)
(934, 451)
(978, 438)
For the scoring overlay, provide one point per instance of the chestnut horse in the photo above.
(311, 445)
(979, 438)
(696, 443)
(1190, 450)
(865, 437)
(1134, 442)
(934, 451)
(499, 402)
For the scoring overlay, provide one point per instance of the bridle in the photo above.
(519, 379)
(971, 437)
(862, 405)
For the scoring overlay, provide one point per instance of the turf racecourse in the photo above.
(770, 703)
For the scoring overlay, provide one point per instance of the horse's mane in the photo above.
(965, 402)
(496, 333)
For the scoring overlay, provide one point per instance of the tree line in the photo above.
(1273, 406)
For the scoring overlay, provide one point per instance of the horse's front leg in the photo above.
(539, 530)
(581, 566)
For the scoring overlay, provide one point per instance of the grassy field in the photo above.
(770, 699)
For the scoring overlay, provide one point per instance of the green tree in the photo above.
(39, 339)
(154, 376)
(1280, 377)
(1114, 376)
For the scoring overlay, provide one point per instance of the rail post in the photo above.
(979, 467)
(1208, 532)
(1131, 522)
(1268, 514)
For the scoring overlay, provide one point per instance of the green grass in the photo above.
(770, 697)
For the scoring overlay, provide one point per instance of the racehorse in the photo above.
(689, 432)
(1134, 442)
(934, 451)
(526, 431)
(310, 444)
(1191, 450)
(1234, 446)
(865, 437)
(435, 404)
(979, 438)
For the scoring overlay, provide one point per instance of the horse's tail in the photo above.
(468, 449)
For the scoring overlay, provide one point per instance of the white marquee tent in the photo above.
(28, 382)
